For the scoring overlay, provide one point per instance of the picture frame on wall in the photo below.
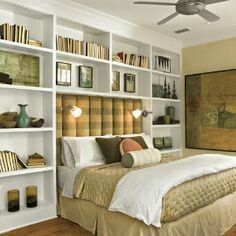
(85, 76)
(129, 83)
(115, 81)
(63, 74)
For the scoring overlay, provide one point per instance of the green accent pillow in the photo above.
(110, 148)
(138, 139)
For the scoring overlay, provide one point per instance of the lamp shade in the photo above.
(137, 113)
(76, 111)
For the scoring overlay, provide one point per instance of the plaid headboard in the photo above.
(100, 116)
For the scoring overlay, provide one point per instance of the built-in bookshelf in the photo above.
(26, 141)
(42, 100)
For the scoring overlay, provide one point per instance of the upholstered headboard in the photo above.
(100, 116)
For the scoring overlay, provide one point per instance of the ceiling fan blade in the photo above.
(168, 18)
(209, 16)
(208, 2)
(155, 3)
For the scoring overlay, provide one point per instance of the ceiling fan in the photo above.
(187, 7)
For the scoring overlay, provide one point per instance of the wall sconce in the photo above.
(137, 113)
(74, 110)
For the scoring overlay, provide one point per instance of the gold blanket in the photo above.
(97, 184)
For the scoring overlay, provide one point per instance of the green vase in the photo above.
(23, 119)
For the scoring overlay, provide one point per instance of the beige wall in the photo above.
(215, 56)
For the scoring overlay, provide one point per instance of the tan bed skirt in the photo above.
(212, 220)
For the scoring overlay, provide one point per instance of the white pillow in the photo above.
(66, 154)
(81, 150)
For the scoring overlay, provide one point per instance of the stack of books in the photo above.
(36, 160)
(17, 33)
(84, 48)
(8, 161)
(134, 60)
(34, 42)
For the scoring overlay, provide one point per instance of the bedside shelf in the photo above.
(167, 126)
(25, 171)
(165, 151)
(165, 99)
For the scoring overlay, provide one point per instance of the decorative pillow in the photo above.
(128, 145)
(137, 139)
(110, 149)
(140, 158)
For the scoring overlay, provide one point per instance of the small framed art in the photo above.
(63, 74)
(85, 76)
(167, 142)
(129, 83)
(115, 81)
(158, 142)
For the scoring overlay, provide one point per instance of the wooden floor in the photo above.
(61, 227)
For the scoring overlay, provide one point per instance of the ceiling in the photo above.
(148, 16)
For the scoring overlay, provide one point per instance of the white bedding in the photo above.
(67, 175)
(146, 187)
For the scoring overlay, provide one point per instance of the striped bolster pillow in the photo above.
(141, 157)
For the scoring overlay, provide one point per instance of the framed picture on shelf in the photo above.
(115, 81)
(129, 83)
(85, 76)
(63, 74)
(167, 142)
(158, 143)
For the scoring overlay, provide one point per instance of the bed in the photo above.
(200, 206)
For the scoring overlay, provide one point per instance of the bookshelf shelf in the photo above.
(43, 211)
(75, 91)
(26, 130)
(76, 57)
(166, 74)
(25, 88)
(122, 65)
(167, 126)
(166, 100)
(24, 47)
(25, 171)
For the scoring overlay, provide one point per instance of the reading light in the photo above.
(137, 113)
(74, 110)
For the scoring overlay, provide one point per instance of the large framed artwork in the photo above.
(210, 110)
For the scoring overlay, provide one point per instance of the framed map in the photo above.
(210, 110)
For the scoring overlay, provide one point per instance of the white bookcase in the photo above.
(42, 100)
(41, 104)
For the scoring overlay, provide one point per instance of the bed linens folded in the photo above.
(148, 186)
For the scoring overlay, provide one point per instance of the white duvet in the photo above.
(139, 193)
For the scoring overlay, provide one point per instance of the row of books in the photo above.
(162, 63)
(8, 161)
(134, 60)
(84, 48)
(17, 33)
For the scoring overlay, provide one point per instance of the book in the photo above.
(8, 161)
